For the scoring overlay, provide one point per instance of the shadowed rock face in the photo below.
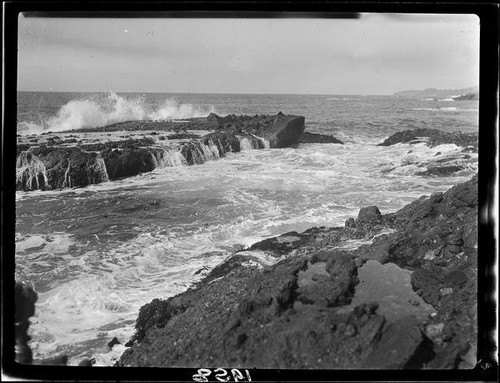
(52, 168)
(24, 301)
(284, 131)
(291, 312)
(31, 173)
(129, 162)
(53, 164)
(308, 137)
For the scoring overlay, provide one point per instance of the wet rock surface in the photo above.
(452, 160)
(282, 303)
(434, 137)
(308, 137)
(50, 162)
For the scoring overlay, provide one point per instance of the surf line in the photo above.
(264, 142)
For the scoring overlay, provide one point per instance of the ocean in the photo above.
(96, 254)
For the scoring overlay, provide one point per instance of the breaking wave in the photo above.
(441, 109)
(110, 108)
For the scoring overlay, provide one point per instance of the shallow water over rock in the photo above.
(312, 274)
(389, 286)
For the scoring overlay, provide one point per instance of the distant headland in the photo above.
(471, 93)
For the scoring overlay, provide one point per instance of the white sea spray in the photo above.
(97, 111)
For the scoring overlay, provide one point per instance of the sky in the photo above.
(374, 54)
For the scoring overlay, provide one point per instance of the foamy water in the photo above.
(101, 110)
(95, 255)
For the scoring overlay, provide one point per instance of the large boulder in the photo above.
(284, 131)
(370, 213)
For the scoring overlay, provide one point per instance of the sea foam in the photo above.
(101, 110)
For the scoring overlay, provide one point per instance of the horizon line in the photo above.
(250, 93)
(217, 93)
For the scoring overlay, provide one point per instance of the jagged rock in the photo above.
(215, 121)
(308, 137)
(401, 346)
(55, 164)
(248, 314)
(124, 144)
(113, 342)
(428, 224)
(350, 223)
(433, 137)
(283, 244)
(31, 173)
(248, 318)
(428, 279)
(440, 170)
(370, 213)
(182, 136)
(335, 289)
(52, 168)
(87, 362)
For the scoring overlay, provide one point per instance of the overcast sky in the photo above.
(376, 54)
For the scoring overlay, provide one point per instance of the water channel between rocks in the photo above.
(387, 284)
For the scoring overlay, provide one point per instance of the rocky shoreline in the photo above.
(282, 302)
(77, 159)
(287, 301)
(92, 156)
(292, 301)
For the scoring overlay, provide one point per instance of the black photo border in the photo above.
(488, 13)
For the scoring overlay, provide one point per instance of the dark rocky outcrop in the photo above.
(57, 163)
(183, 136)
(402, 346)
(149, 125)
(130, 162)
(308, 138)
(51, 168)
(31, 173)
(467, 97)
(281, 303)
(440, 170)
(434, 137)
(24, 303)
(284, 131)
(113, 342)
(369, 214)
